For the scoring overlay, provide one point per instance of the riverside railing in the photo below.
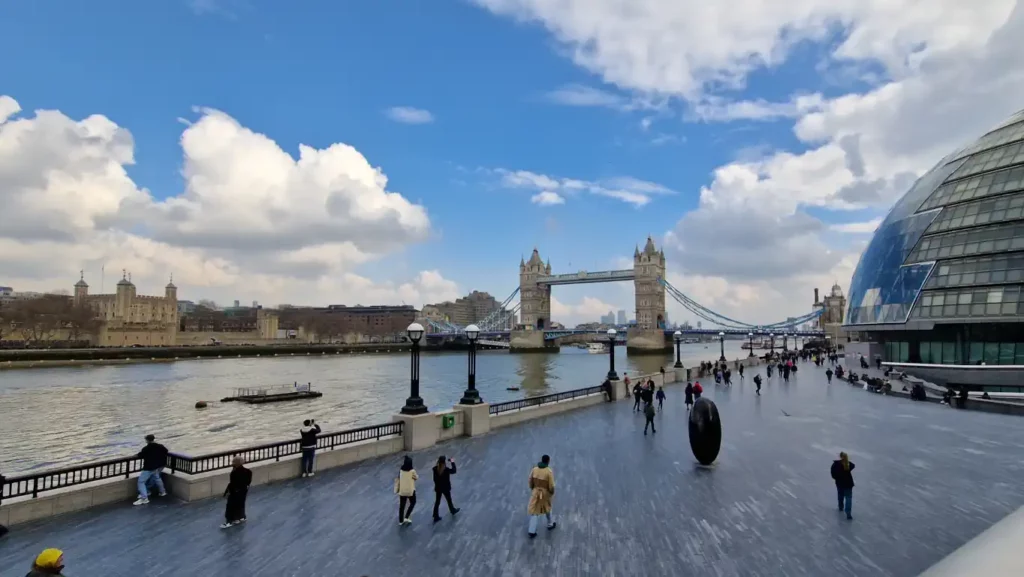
(33, 484)
(528, 402)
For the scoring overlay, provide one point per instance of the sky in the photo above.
(410, 151)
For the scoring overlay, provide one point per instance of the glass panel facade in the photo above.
(1005, 135)
(891, 300)
(970, 302)
(939, 353)
(982, 185)
(980, 270)
(991, 160)
(970, 242)
(979, 212)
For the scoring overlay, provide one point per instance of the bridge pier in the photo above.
(531, 342)
(647, 342)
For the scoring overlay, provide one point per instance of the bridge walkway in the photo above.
(928, 480)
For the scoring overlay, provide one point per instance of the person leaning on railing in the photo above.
(154, 459)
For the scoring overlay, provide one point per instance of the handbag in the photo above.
(396, 485)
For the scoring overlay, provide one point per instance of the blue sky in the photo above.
(503, 94)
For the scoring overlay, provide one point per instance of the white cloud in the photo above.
(588, 310)
(625, 188)
(579, 95)
(682, 47)
(547, 198)
(409, 115)
(858, 227)
(252, 222)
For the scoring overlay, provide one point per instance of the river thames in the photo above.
(64, 416)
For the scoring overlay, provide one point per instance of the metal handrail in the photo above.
(34, 483)
(528, 402)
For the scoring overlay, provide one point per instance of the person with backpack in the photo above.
(842, 473)
(697, 390)
(443, 485)
(757, 381)
(309, 432)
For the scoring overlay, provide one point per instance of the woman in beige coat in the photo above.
(542, 491)
(405, 486)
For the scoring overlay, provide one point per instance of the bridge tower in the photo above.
(648, 267)
(534, 298)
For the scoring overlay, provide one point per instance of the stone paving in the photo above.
(929, 478)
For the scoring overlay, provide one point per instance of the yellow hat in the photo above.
(49, 559)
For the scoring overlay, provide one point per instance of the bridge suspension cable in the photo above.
(499, 320)
(726, 322)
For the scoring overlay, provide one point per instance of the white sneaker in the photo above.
(141, 501)
(225, 525)
(304, 475)
(408, 521)
(311, 474)
(163, 494)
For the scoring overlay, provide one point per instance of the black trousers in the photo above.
(235, 509)
(636, 403)
(402, 513)
(650, 422)
(447, 494)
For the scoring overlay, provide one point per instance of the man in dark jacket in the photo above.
(236, 492)
(842, 473)
(309, 431)
(443, 471)
(154, 459)
(637, 391)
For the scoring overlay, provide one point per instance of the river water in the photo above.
(64, 416)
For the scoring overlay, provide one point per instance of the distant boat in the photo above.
(596, 348)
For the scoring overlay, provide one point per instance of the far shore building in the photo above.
(129, 318)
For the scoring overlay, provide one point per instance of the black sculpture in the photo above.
(705, 431)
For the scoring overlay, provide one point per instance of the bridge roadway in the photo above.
(929, 478)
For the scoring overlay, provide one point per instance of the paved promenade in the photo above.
(929, 478)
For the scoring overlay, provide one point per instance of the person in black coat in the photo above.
(443, 485)
(842, 473)
(688, 391)
(236, 492)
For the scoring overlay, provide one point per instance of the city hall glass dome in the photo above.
(941, 280)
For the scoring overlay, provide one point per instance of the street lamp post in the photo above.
(721, 341)
(771, 343)
(612, 376)
(472, 396)
(750, 337)
(679, 339)
(414, 404)
(785, 338)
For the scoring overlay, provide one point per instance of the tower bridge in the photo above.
(534, 331)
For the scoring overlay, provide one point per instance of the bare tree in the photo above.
(80, 320)
(38, 319)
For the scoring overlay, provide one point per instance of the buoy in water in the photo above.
(511, 388)
(200, 404)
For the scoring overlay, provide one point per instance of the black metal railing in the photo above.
(33, 484)
(528, 402)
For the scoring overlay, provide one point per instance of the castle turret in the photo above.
(81, 289)
(534, 298)
(171, 291)
(648, 270)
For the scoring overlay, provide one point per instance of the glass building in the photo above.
(942, 281)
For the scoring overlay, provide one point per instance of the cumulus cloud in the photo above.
(858, 227)
(630, 190)
(409, 115)
(588, 310)
(252, 222)
(547, 198)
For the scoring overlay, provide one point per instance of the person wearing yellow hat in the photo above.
(49, 562)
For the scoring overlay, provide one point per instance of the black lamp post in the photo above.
(785, 339)
(771, 344)
(721, 341)
(414, 404)
(612, 376)
(472, 396)
(750, 337)
(679, 338)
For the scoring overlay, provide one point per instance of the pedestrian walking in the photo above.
(757, 382)
(741, 371)
(842, 472)
(405, 487)
(443, 485)
(828, 375)
(309, 432)
(49, 563)
(697, 390)
(661, 397)
(727, 375)
(542, 493)
(688, 391)
(637, 392)
(154, 459)
(236, 493)
(649, 415)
